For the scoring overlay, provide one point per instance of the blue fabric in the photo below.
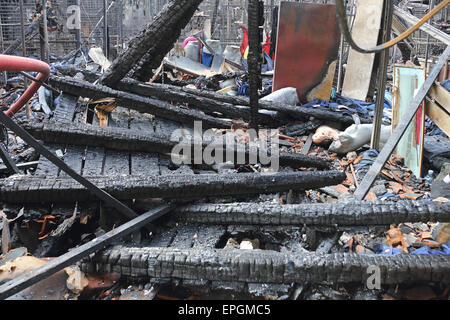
(387, 195)
(384, 249)
(428, 250)
(207, 59)
(368, 159)
(243, 87)
(446, 84)
(359, 107)
(432, 129)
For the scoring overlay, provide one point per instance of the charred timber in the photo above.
(133, 140)
(142, 104)
(361, 213)
(264, 266)
(156, 39)
(168, 34)
(26, 189)
(179, 95)
(173, 93)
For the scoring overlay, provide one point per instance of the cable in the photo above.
(342, 17)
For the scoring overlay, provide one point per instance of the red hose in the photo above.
(13, 63)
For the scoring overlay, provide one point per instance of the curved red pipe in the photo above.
(13, 63)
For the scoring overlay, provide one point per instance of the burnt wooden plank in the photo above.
(93, 162)
(65, 109)
(184, 237)
(18, 284)
(143, 163)
(167, 128)
(208, 236)
(45, 166)
(162, 239)
(117, 162)
(74, 159)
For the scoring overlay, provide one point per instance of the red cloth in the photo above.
(244, 44)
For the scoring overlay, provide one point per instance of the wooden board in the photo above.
(117, 162)
(440, 112)
(307, 49)
(143, 163)
(45, 166)
(407, 80)
(441, 95)
(365, 33)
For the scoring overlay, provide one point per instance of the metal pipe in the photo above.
(13, 63)
(44, 33)
(5, 74)
(341, 13)
(427, 49)
(105, 28)
(24, 51)
(382, 74)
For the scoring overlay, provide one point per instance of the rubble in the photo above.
(96, 203)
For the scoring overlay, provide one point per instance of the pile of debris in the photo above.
(279, 217)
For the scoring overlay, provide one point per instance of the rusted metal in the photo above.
(307, 46)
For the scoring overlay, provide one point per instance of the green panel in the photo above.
(407, 80)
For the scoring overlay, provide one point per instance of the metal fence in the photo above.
(127, 17)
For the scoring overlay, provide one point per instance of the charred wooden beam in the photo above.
(179, 95)
(168, 34)
(162, 91)
(255, 20)
(25, 189)
(361, 213)
(173, 93)
(135, 102)
(72, 71)
(266, 266)
(132, 140)
(156, 40)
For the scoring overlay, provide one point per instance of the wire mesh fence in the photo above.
(127, 17)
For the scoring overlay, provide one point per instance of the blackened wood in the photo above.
(155, 38)
(36, 275)
(138, 103)
(361, 213)
(132, 140)
(7, 161)
(11, 125)
(266, 266)
(21, 189)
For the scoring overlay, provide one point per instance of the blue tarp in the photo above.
(446, 84)
(207, 59)
(428, 250)
(384, 249)
(354, 106)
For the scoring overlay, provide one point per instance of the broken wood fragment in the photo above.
(18, 284)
